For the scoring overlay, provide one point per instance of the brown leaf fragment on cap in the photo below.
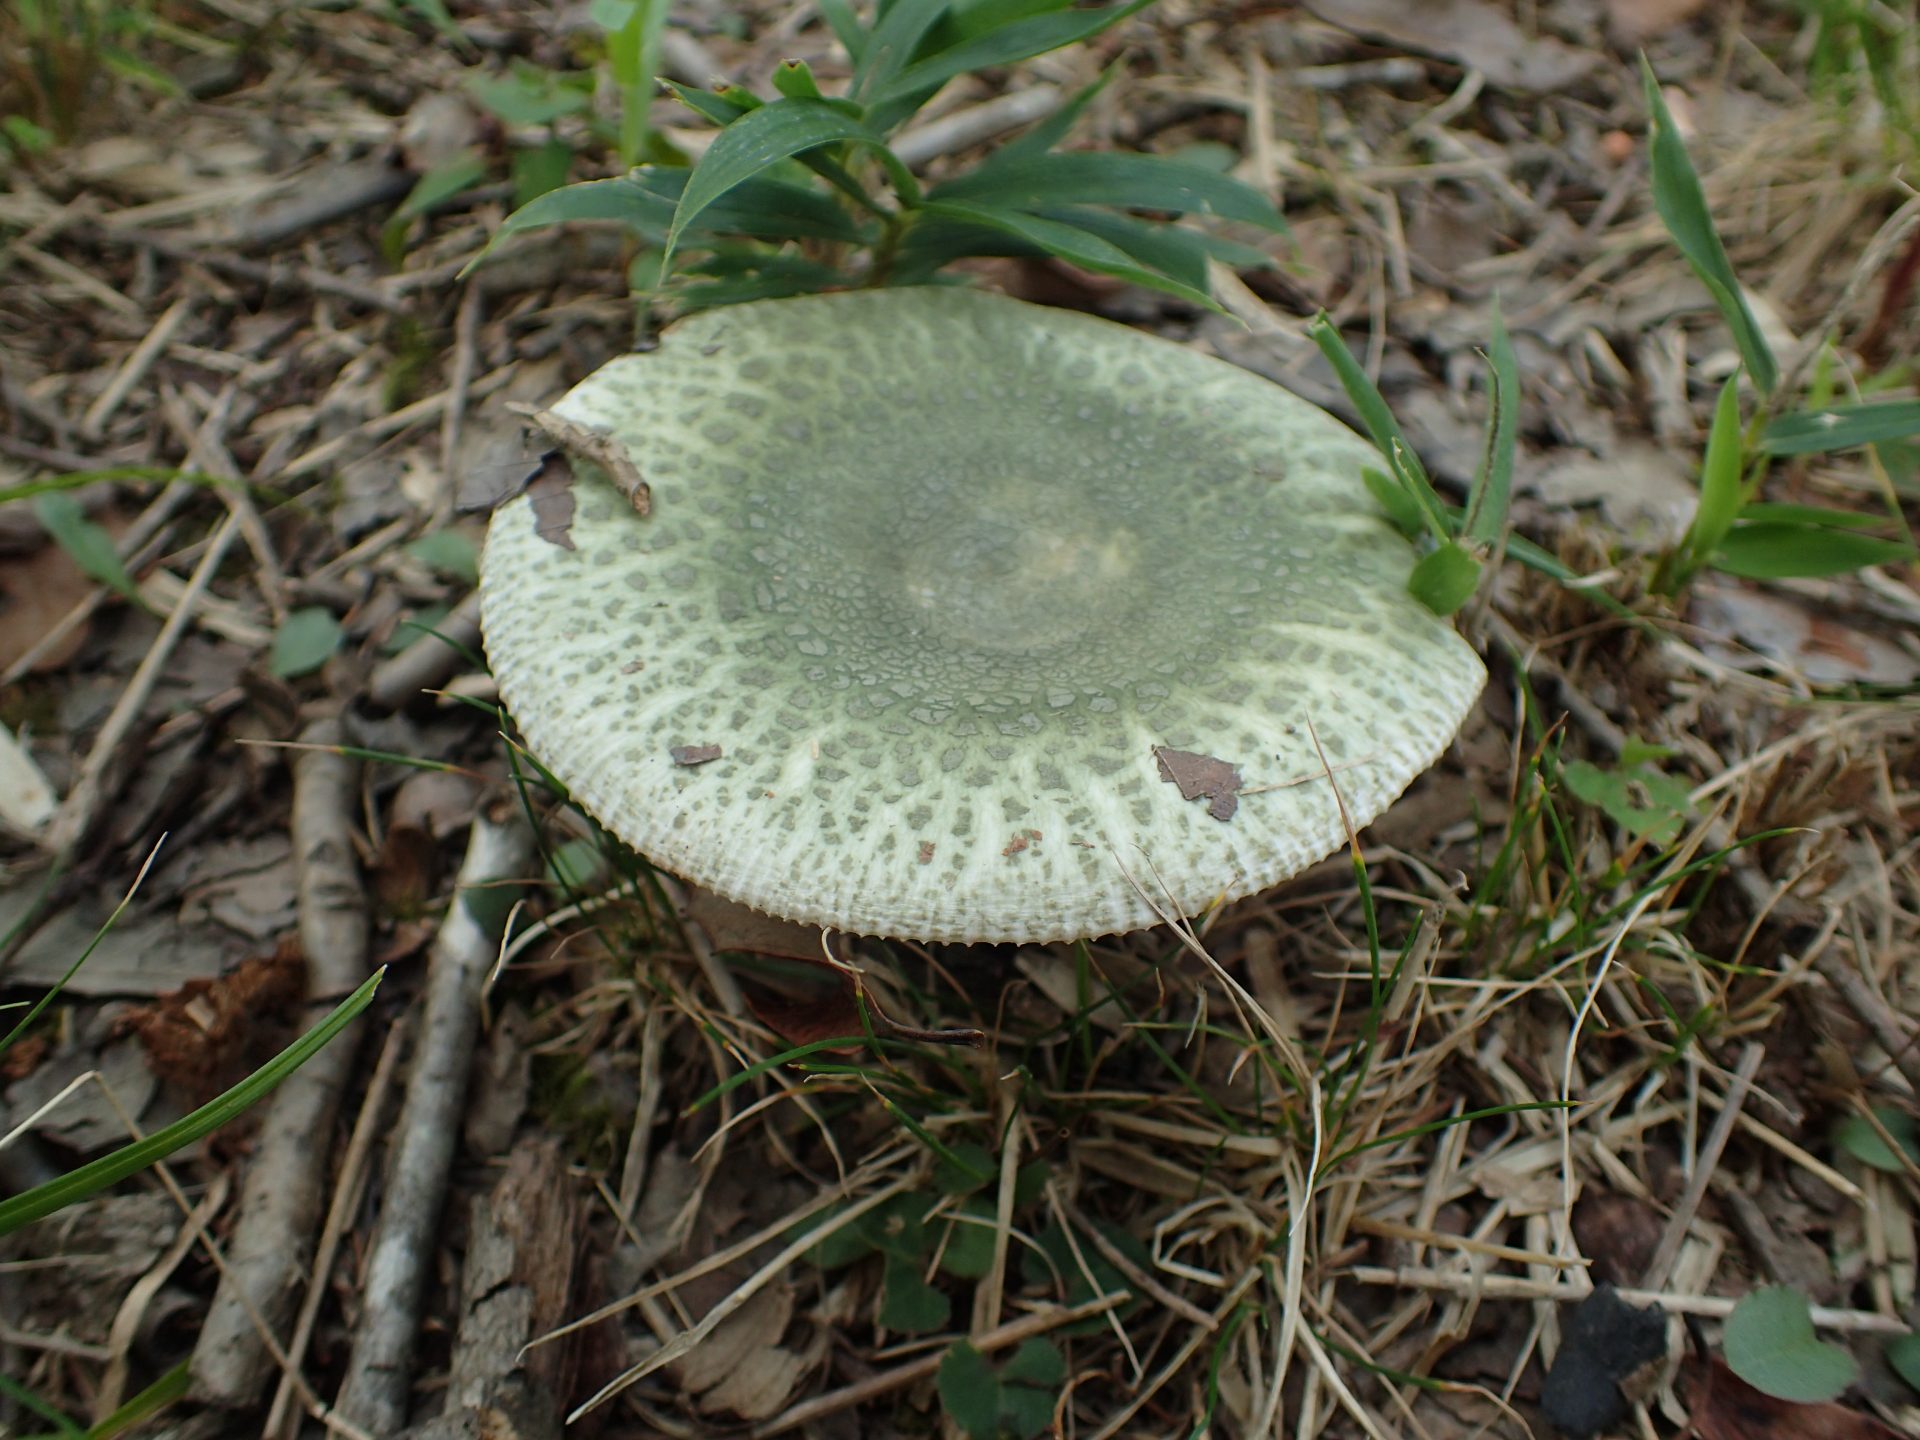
(598, 447)
(1199, 775)
(551, 491)
(693, 754)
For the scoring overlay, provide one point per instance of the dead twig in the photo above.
(429, 661)
(280, 1202)
(379, 1373)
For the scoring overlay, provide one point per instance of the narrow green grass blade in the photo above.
(1683, 209)
(89, 1179)
(89, 546)
(161, 1393)
(1841, 427)
(1722, 483)
(1377, 420)
(53, 994)
(1492, 490)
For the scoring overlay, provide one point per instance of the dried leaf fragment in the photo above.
(693, 754)
(551, 493)
(1201, 775)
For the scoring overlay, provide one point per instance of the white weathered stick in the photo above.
(286, 1183)
(374, 1395)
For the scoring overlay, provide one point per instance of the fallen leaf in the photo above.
(551, 492)
(1722, 1406)
(693, 754)
(1201, 775)
(207, 1034)
(1471, 33)
(1621, 1233)
(36, 590)
(1634, 22)
(1778, 630)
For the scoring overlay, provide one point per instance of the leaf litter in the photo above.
(1123, 1090)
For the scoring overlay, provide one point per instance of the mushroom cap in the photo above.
(943, 576)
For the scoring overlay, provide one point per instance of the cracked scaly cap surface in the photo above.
(937, 571)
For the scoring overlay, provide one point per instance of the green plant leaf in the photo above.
(150, 1401)
(845, 1245)
(1683, 209)
(1444, 579)
(965, 1167)
(846, 27)
(1638, 798)
(87, 545)
(644, 202)
(892, 43)
(721, 107)
(968, 1252)
(1377, 420)
(634, 30)
(1030, 1385)
(1722, 482)
(527, 95)
(450, 553)
(1399, 506)
(1770, 1344)
(1903, 1354)
(907, 1303)
(970, 1392)
(1841, 427)
(540, 170)
(1072, 244)
(1769, 550)
(794, 79)
(1021, 40)
(89, 1179)
(1126, 181)
(1492, 489)
(1860, 1140)
(756, 140)
(436, 187)
(304, 642)
(1043, 135)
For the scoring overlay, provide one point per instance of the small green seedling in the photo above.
(949, 1228)
(1770, 1344)
(1731, 531)
(1867, 1142)
(806, 192)
(304, 642)
(1460, 543)
(1636, 794)
(1015, 1399)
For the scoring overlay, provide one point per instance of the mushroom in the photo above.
(960, 619)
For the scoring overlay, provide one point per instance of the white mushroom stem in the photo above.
(374, 1394)
(281, 1200)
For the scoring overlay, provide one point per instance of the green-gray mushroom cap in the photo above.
(954, 618)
